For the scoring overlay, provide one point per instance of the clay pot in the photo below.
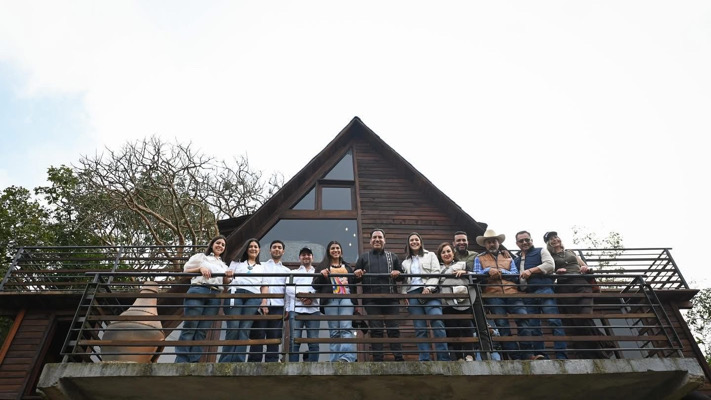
(138, 331)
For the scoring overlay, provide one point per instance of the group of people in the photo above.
(422, 274)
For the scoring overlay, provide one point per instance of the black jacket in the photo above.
(375, 262)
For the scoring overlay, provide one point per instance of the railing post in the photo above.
(676, 269)
(119, 254)
(286, 334)
(480, 324)
(12, 266)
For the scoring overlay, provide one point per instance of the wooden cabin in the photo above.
(356, 184)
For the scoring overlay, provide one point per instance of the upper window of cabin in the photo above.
(334, 191)
(343, 171)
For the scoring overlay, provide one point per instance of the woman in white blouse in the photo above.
(422, 262)
(247, 282)
(207, 264)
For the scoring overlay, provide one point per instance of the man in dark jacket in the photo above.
(536, 267)
(378, 270)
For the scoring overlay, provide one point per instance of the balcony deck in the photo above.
(645, 341)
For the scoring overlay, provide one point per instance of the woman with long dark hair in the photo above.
(208, 263)
(247, 284)
(422, 262)
(340, 303)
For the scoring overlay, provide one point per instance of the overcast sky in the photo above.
(554, 113)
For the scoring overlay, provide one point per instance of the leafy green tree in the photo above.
(23, 221)
(699, 320)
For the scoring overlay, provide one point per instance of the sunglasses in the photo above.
(523, 241)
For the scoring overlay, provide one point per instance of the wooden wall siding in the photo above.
(690, 347)
(391, 199)
(18, 364)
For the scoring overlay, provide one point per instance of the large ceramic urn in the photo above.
(135, 330)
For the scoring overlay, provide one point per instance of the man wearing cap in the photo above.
(502, 275)
(271, 329)
(536, 265)
(461, 250)
(378, 270)
(303, 307)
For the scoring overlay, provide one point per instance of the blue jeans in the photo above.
(196, 330)
(509, 305)
(432, 307)
(296, 328)
(545, 306)
(266, 329)
(238, 329)
(341, 329)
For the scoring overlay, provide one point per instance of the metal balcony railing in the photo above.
(625, 320)
(62, 269)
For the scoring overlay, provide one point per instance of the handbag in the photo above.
(359, 323)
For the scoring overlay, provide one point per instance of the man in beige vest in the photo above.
(502, 278)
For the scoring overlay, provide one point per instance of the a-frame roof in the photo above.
(355, 133)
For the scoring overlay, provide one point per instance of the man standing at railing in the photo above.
(502, 276)
(536, 266)
(271, 329)
(381, 262)
(462, 252)
(303, 307)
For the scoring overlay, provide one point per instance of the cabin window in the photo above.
(336, 198)
(315, 234)
(343, 171)
(308, 202)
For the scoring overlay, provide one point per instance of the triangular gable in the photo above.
(439, 216)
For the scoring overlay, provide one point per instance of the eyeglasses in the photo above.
(523, 241)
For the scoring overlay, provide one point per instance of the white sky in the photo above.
(556, 113)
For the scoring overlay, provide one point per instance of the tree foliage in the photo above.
(153, 192)
(699, 320)
(611, 245)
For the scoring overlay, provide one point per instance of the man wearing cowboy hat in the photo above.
(502, 274)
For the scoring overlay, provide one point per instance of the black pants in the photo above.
(384, 307)
(580, 327)
(266, 329)
(459, 328)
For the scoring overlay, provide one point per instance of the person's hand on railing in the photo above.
(395, 274)
(324, 272)
(494, 273)
(359, 273)
(525, 274)
(204, 271)
(584, 269)
(561, 271)
(458, 274)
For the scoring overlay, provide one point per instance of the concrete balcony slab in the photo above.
(657, 378)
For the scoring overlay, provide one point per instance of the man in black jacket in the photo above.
(387, 267)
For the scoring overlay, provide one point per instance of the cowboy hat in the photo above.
(490, 233)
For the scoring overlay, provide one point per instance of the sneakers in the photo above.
(469, 358)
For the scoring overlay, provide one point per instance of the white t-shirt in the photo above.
(251, 282)
(216, 266)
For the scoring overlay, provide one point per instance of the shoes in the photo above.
(469, 358)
